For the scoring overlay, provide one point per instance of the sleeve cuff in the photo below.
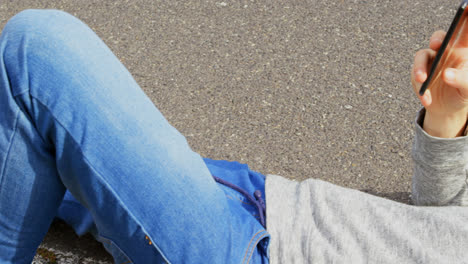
(438, 151)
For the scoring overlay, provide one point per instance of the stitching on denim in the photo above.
(233, 194)
(254, 214)
(15, 128)
(238, 199)
(256, 242)
(250, 249)
(100, 176)
(250, 242)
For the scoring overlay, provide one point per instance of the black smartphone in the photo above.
(446, 41)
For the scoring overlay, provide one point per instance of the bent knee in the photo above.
(40, 29)
(43, 43)
(40, 22)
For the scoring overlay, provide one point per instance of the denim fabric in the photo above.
(79, 218)
(72, 117)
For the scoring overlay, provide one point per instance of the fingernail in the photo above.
(449, 75)
(420, 76)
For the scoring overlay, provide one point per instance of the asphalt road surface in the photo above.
(302, 89)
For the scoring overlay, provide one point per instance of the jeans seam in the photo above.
(250, 242)
(101, 178)
(256, 242)
(9, 146)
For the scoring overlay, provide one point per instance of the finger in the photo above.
(416, 85)
(422, 60)
(426, 99)
(436, 40)
(457, 79)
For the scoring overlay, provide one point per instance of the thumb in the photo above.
(457, 79)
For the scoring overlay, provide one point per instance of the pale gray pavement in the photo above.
(302, 89)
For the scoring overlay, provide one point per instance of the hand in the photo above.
(446, 100)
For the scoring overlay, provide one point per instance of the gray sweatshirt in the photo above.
(317, 222)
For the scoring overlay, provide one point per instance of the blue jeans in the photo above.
(72, 117)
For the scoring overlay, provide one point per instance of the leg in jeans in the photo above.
(72, 117)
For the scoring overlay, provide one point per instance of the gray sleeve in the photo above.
(318, 222)
(440, 168)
